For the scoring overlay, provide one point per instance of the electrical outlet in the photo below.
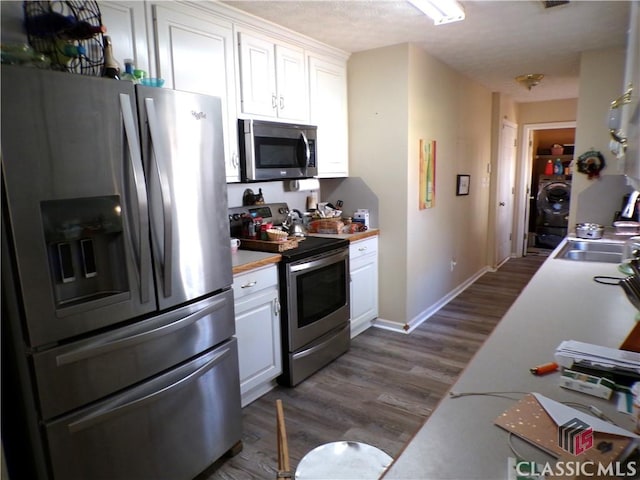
(453, 264)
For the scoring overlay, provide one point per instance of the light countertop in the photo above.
(562, 302)
(246, 260)
(352, 237)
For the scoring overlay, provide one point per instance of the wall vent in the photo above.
(554, 3)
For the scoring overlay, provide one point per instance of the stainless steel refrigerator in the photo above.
(119, 360)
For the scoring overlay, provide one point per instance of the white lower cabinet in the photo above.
(363, 261)
(258, 331)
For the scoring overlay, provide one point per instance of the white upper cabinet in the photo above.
(272, 79)
(328, 110)
(195, 54)
(125, 22)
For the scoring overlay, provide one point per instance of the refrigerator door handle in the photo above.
(165, 191)
(124, 339)
(104, 415)
(135, 156)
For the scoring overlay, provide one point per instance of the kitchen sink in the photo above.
(592, 251)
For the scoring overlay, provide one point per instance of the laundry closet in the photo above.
(550, 188)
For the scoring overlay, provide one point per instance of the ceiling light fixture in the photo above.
(529, 80)
(441, 11)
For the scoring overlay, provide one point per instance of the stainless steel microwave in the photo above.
(276, 151)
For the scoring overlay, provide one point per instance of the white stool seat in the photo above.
(343, 461)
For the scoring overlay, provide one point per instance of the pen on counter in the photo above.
(544, 369)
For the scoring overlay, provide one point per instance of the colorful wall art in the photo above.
(427, 174)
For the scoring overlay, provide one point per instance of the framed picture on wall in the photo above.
(427, 174)
(462, 184)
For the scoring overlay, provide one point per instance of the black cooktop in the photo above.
(311, 246)
(276, 213)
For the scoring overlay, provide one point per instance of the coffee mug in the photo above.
(235, 243)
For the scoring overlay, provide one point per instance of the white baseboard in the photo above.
(257, 392)
(432, 310)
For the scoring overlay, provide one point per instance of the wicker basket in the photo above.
(277, 235)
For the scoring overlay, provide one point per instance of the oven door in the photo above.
(317, 296)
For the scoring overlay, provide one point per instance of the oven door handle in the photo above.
(319, 261)
(319, 346)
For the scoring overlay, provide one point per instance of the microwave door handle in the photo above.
(165, 192)
(135, 156)
(307, 150)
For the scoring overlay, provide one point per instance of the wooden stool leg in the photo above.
(283, 448)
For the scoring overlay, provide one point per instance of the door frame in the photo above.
(500, 178)
(523, 178)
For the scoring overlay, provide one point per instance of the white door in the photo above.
(195, 54)
(505, 191)
(328, 101)
(257, 76)
(127, 31)
(529, 201)
(291, 80)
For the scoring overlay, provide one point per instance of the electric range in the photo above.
(313, 293)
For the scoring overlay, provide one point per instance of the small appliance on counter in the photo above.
(630, 209)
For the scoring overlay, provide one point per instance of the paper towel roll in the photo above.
(304, 184)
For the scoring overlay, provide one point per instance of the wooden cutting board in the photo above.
(269, 246)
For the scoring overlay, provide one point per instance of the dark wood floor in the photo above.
(385, 387)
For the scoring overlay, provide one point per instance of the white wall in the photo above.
(451, 109)
(378, 124)
(601, 79)
(397, 96)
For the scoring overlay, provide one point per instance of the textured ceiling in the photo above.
(498, 40)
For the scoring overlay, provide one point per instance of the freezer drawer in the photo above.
(73, 375)
(171, 427)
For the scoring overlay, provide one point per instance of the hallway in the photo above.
(385, 387)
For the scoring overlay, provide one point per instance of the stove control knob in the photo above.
(235, 216)
(283, 210)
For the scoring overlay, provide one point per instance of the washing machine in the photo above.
(552, 205)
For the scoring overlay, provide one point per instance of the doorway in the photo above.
(545, 186)
(506, 190)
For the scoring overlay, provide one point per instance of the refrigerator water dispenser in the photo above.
(85, 249)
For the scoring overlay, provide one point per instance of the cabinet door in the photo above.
(364, 293)
(125, 22)
(195, 53)
(328, 110)
(291, 84)
(257, 76)
(363, 257)
(258, 334)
